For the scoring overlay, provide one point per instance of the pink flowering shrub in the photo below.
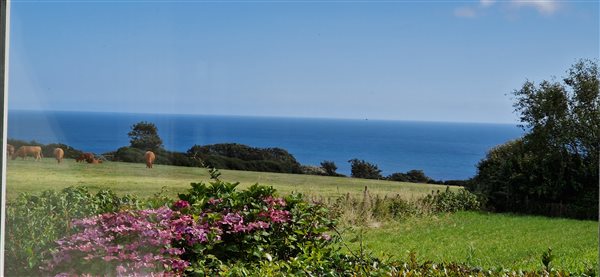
(253, 225)
(127, 243)
(207, 228)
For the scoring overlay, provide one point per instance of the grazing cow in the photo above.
(59, 154)
(10, 151)
(88, 157)
(149, 157)
(24, 151)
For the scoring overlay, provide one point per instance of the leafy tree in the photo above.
(363, 169)
(413, 176)
(144, 136)
(329, 167)
(553, 169)
(417, 176)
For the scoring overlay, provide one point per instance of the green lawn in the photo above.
(487, 240)
(30, 176)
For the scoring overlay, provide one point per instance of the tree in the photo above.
(553, 169)
(329, 167)
(144, 136)
(417, 176)
(366, 170)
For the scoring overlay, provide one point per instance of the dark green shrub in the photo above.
(130, 155)
(241, 157)
(365, 170)
(449, 201)
(34, 222)
(412, 176)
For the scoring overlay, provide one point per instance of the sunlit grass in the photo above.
(132, 178)
(486, 240)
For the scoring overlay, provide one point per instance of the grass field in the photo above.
(30, 176)
(486, 240)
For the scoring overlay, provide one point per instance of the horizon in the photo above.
(406, 61)
(269, 117)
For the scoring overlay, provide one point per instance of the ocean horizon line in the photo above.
(515, 124)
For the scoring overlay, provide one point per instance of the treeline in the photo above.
(222, 156)
(553, 169)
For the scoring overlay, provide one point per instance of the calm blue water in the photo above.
(443, 150)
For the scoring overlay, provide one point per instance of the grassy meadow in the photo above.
(132, 178)
(485, 240)
(477, 239)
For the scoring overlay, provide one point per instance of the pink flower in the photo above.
(181, 204)
(272, 201)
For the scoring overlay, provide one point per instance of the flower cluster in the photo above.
(275, 213)
(181, 204)
(233, 223)
(130, 243)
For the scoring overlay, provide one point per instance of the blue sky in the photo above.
(399, 60)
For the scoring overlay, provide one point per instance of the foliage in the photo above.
(242, 157)
(451, 201)
(553, 169)
(128, 155)
(365, 170)
(144, 136)
(370, 209)
(33, 222)
(331, 263)
(252, 225)
(330, 168)
(413, 176)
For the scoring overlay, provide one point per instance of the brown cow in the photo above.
(88, 157)
(24, 151)
(149, 157)
(10, 150)
(59, 154)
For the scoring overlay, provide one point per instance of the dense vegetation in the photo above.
(553, 169)
(214, 229)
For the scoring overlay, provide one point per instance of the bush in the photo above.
(449, 201)
(252, 225)
(365, 170)
(412, 176)
(33, 223)
(128, 155)
(241, 157)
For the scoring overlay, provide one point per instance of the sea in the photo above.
(444, 151)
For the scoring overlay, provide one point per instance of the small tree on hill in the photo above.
(417, 176)
(366, 170)
(144, 135)
(329, 167)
